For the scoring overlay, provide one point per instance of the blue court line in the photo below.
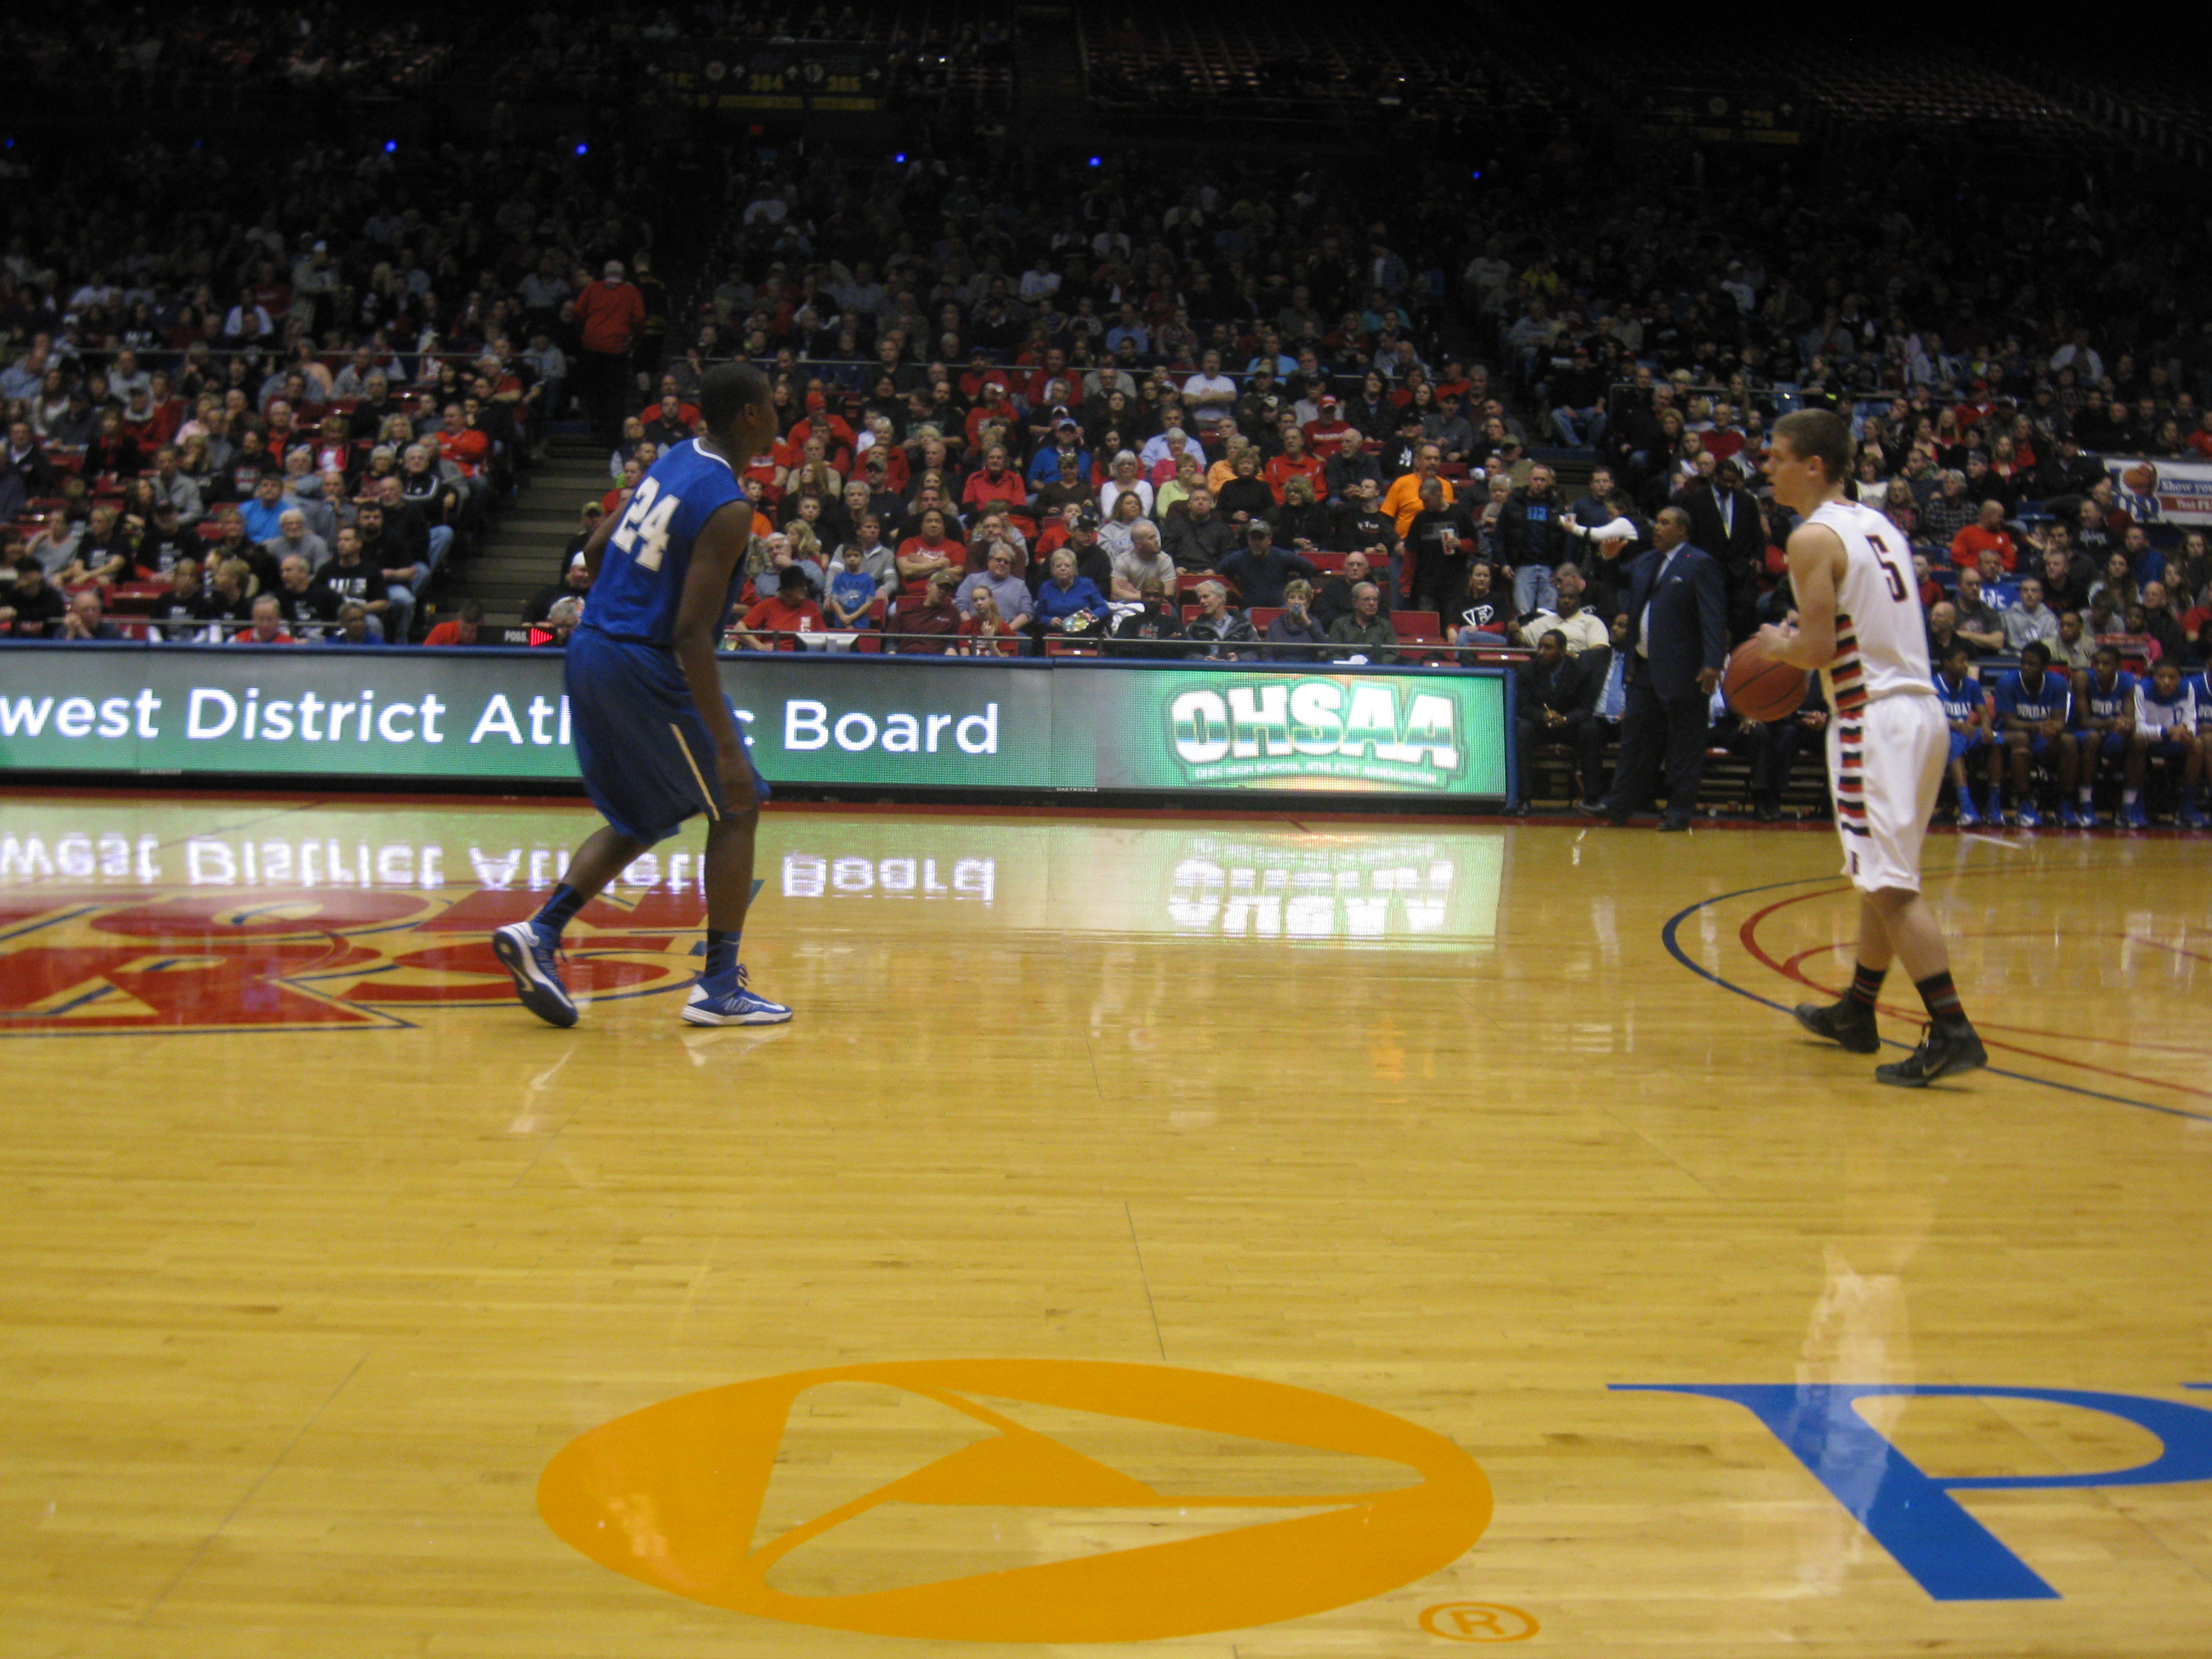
(1667, 936)
(54, 920)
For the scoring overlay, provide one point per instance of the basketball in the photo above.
(1760, 688)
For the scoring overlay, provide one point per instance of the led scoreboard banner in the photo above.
(493, 717)
(745, 78)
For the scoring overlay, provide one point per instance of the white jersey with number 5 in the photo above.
(1881, 635)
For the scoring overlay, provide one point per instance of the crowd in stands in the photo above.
(1237, 412)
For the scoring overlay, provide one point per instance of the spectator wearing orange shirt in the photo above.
(1403, 499)
(609, 314)
(1987, 530)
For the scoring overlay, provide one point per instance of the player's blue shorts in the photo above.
(2039, 746)
(1965, 745)
(2110, 745)
(647, 762)
(2167, 749)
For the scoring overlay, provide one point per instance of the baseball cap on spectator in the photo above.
(815, 402)
(578, 561)
(1327, 401)
(1086, 519)
(1257, 528)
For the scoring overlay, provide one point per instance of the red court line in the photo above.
(1747, 935)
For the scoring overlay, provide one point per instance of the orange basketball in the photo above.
(1760, 688)
(2141, 478)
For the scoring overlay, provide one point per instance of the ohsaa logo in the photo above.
(1340, 727)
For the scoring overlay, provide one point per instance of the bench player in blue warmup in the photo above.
(656, 740)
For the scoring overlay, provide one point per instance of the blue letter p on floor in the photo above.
(1911, 1513)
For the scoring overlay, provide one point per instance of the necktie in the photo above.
(1643, 622)
(1612, 702)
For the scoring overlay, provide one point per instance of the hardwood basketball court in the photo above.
(1382, 1193)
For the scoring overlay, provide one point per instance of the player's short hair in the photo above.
(1818, 434)
(728, 391)
(2038, 650)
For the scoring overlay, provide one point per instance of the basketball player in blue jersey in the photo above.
(1859, 623)
(2034, 708)
(2165, 726)
(656, 740)
(1967, 712)
(2105, 722)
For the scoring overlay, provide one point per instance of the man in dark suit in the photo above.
(1553, 704)
(1677, 608)
(1725, 520)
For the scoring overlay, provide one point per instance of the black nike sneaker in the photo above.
(1848, 1024)
(1943, 1050)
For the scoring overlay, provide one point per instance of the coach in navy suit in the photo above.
(1677, 608)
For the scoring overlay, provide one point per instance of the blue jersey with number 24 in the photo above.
(642, 570)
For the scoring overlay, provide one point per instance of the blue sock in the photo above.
(722, 954)
(556, 911)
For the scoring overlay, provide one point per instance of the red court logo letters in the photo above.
(104, 961)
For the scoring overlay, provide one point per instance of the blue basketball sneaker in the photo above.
(730, 1004)
(528, 957)
(2132, 815)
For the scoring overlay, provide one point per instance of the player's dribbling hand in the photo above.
(1774, 640)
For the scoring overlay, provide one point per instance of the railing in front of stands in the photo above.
(883, 642)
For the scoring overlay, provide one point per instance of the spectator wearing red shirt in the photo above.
(789, 612)
(991, 406)
(268, 628)
(834, 428)
(921, 557)
(996, 486)
(609, 314)
(1330, 426)
(929, 625)
(458, 630)
(462, 444)
(1296, 462)
(1986, 532)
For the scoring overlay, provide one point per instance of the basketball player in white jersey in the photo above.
(1859, 622)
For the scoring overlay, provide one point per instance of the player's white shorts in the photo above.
(1885, 764)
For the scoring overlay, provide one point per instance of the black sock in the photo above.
(1866, 985)
(556, 912)
(722, 952)
(1941, 997)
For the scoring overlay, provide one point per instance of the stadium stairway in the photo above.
(524, 553)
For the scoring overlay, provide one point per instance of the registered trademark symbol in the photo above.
(1478, 1621)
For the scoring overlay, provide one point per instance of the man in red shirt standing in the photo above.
(609, 314)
